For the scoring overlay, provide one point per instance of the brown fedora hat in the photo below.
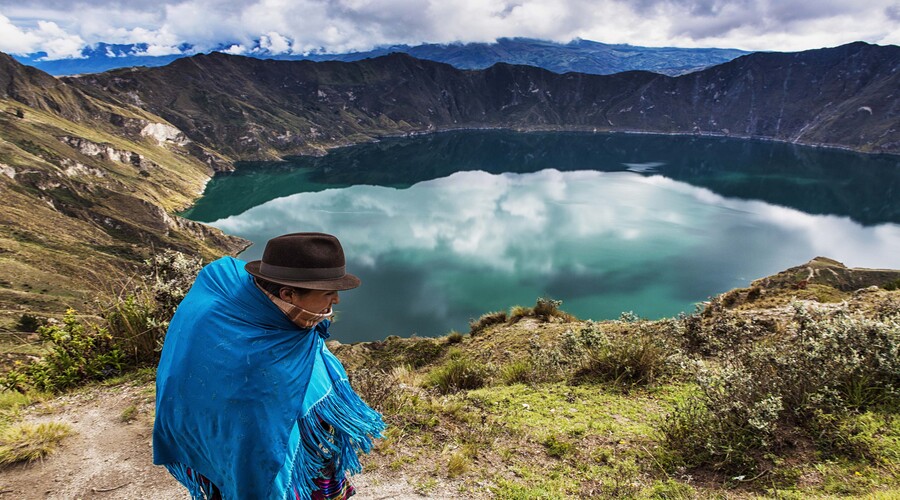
(304, 260)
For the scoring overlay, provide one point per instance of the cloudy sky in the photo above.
(61, 28)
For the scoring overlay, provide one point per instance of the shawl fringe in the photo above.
(199, 490)
(334, 430)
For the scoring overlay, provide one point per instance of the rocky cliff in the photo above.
(262, 109)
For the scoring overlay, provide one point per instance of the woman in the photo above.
(250, 403)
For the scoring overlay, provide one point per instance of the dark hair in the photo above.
(275, 288)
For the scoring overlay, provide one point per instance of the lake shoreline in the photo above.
(585, 130)
(578, 223)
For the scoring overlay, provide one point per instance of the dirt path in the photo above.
(110, 458)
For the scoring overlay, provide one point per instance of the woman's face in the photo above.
(315, 301)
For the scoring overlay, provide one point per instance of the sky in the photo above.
(62, 28)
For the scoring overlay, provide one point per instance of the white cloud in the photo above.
(274, 43)
(517, 222)
(236, 49)
(46, 37)
(15, 40)
(343, 25)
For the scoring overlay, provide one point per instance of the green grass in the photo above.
(578, 410)
(128, 414)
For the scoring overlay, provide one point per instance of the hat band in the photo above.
(301, 274)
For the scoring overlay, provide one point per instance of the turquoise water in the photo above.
(444, 228)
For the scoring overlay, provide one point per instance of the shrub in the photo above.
(519, 372)
(78, 352)
(891, 285)
(459, 461)
(629, 317)
(29, 323)
(728, 425)
(424, 351)
(477, 326)
(828, 368)
(454, 338)
(129, 322)
(382, 390)
(139, 321)
(134, 330)
(557, 448)
(517, 313)
(638, 358)
(170, 275)
(547, 309)
(458, 374)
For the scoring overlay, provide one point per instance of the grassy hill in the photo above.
(87, 192)
(786, 389)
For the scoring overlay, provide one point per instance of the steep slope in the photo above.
(86, 191)
(256, 109)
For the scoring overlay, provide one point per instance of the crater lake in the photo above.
(443, 228)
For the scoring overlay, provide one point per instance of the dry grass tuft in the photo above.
(28, 442)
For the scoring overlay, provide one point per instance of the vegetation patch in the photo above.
(129, 334)
(457, 374)
(26, 442)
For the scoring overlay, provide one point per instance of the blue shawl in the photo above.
(250, 401)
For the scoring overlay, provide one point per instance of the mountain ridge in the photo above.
(584, 56)
(267, 109)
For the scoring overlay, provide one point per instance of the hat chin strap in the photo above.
(298, 315)
(322, 315)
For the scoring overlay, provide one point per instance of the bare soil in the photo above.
(109, 456)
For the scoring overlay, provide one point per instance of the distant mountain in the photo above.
(101, 57)
(247, 108)
(581, 56)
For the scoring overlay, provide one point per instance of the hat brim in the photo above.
(345, 282)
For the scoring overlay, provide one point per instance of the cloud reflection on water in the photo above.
(442, 251)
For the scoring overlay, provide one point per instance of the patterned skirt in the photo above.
(330, 488)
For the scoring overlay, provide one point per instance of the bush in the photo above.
(29, 323)
(382, 390)
(727, 426)
(458, 374)
(454, 338)
(477, 326)
(638, 358)
(139, 321)
(519, 372)
(78, 353)
(545, 309)
(829, 367)
(129, 322)
(891, 285)
(134, 330)
(517, 313)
